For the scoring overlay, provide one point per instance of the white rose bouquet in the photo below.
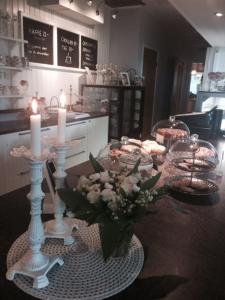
(114, 200)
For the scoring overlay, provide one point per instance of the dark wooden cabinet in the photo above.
(125, 107)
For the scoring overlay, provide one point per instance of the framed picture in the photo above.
(125, 78)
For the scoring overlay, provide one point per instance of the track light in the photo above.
(219, 14)
(89, 3)
(114, 15)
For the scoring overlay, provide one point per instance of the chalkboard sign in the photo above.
(40, 41)
(68, 48)
(89, 50)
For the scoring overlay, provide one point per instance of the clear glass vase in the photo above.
(116, 244)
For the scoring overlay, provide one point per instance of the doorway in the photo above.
(177, 92)
(149, 73)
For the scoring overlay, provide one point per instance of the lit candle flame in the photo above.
(62, 100)
(34, 106)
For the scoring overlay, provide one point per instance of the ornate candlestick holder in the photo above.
(34, 263)
(60, 228)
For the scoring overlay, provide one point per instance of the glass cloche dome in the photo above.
(193, 155)
(170, 130)
(125, 153)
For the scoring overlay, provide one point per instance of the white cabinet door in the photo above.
(97, 134)
(76, 133)
(16, 170)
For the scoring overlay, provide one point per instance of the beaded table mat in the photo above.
(84, 274)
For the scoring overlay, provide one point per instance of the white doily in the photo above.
(84, 274)
(26, 153)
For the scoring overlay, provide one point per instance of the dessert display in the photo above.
(194, 186)
(172, 133)
(128, 151)
(129, 160)
(194, 157)
(146, 147)
(193, 164)
(168, 131)
(152, 147)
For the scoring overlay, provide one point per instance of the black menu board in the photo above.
(40, 41)
(68, 48)
(89, 50)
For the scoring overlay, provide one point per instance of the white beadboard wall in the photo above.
(49, 82)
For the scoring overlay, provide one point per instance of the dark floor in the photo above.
(184, 247)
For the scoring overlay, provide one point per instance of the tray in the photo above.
(193, 164)
(191, 186)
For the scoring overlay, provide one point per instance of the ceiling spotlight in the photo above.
(219, 14)
(97, 12)
(114, 15)
(89, 3)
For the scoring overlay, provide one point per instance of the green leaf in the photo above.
(74, 200)
(151, 182)
(109, 234)
(135, 168)
(95, 164)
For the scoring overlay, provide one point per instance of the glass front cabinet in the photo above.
(124, 104)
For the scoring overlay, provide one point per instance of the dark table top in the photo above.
(20, 125)
(184, 244)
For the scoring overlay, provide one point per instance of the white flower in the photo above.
(83, 182)
(135, 188)
(93, 196)
(131, 179)
(120, 178)
(127, 187)
(104, 176)
(108, 186)
(112, 205)
(108, 195)
(94, 177)
(94, 187)
(150, 198)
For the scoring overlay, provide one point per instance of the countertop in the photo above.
(184, 246)
(22, 125)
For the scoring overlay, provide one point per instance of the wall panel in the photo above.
(49, 82)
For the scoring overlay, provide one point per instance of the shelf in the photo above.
(114, 86)
(10, 39)
(19, 69)
(12, 96)
(55, 68)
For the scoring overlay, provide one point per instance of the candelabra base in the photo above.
(61, 230)
(34, 266)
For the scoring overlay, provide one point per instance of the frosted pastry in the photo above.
(153, 147)
(172, 132)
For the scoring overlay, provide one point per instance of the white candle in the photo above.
(35, 126)
(62, 120)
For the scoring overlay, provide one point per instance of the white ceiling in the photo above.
(201, 15)
(173, 22)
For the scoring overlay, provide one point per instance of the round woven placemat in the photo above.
(84, 274)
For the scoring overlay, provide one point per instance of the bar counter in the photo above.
(183, 240)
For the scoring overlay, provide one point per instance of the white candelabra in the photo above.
(34, 263)
(60, 227)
